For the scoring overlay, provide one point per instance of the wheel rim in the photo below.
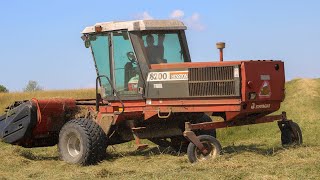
(212, 151)
(73, 145)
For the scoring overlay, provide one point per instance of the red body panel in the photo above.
(254, 74)
(258, 72)
(265, 78)
(51, 114)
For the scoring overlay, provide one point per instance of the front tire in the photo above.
(82, 141)
(211, 144)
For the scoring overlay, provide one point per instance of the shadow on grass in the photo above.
(109, 156)
(253, 148)
(228, 150)
(29, 155)
(146, 153)
(154, 151)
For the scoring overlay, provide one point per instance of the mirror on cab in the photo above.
(87, 40)
(87, 43)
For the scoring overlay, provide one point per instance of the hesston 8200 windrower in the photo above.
(148, 88)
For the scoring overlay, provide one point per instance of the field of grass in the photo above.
(249, 152)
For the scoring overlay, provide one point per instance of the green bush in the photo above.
(3, 89)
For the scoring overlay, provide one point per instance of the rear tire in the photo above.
(211, 144)
(82, 141)
(291, 134)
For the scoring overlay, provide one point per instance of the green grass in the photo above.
(250, 152)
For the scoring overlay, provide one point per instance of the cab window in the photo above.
(163, 47)
(126, 71)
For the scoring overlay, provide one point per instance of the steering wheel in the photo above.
(131, 57)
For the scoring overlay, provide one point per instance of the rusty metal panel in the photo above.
(266, 79)
(216, 81)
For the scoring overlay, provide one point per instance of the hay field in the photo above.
(250, 152)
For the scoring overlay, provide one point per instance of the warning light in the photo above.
(98, 28)
(250, 84)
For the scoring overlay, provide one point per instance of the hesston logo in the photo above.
(260, 106)
(168, 76)
(179, 75)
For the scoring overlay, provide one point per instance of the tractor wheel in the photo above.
(291, 134)
(180, 143)
(82, 141)
(211, 144)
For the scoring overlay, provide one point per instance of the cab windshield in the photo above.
(162, 47)
(115, 58)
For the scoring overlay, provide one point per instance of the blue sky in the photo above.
(40, 40)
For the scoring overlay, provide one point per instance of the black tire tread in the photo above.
(291, 135)
(96, 140)
(192, 147)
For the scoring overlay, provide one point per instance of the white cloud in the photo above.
(194, 22)
(195, 17)
(177, 14)
(145, 16)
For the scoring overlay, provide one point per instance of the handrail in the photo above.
(166, 116)
(114, 90)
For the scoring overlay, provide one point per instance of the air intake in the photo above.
(219, 81)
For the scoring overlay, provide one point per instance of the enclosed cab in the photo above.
(125, 51)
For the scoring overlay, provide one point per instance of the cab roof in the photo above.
(137, 25)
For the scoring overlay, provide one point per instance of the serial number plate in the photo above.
(168, 76)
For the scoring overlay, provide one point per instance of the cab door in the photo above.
(125, 69)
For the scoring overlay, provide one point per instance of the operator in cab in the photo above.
(155, 52)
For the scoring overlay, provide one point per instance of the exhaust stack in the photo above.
(221, 46)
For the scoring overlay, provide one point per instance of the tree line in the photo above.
(30, 87)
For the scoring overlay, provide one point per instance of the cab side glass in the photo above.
(100, 49)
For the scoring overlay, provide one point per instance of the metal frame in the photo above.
(216, 125)
(98, 98)
(190, 128)
(183, 40)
